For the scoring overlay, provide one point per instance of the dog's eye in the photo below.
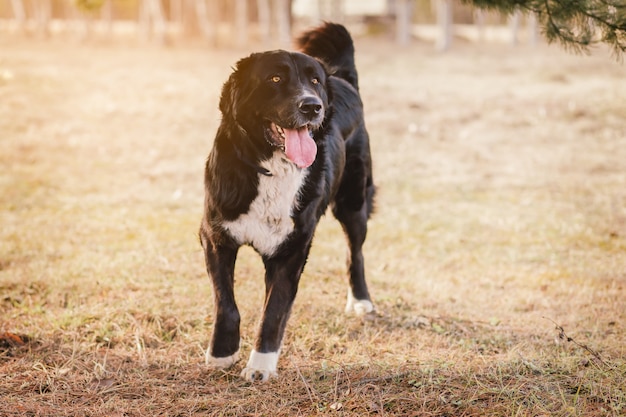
(315, 80)
(275, 78)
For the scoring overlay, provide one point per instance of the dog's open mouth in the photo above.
(298, 144)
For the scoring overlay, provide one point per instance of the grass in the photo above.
(496, 257)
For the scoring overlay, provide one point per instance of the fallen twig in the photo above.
(563, 336)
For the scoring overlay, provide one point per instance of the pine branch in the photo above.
(576, 24)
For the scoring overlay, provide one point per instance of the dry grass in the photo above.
(501, 216)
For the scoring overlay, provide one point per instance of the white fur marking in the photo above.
(221, 363)
(268, 221)
(261, 366)
(359, 307)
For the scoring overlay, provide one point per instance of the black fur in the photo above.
(340, 176)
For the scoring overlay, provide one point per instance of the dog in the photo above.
(292, 141)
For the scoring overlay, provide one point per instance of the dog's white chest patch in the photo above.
(268, 221)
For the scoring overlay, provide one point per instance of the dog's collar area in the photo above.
(257, 168)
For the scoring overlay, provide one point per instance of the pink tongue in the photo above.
(300, 147)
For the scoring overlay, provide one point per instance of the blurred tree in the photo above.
(444, 21)
(282, 13)
(152, 20)
(403, 12)
(207, 19)
(43, 14)
(264, 11)
(20, 14)
(574, 23)
(89, 5)
(241, 22)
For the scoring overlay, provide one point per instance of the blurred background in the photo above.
(243, 23)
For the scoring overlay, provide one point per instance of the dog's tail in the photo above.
(332, 44)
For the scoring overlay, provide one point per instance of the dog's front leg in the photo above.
(282, 275)
(224, 349)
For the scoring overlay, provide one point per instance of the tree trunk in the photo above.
(176, 11)
(263, 7)
(330, 10)
(444, 22)
(107, 17)
(479, 22)
(43, 11)
(403, 22)
(152, 20)
(160, 25)
(241, 23)
(514, 23)
(282, 12)
(338, 10)
(207, 20)
(533, 29)
(20, 14)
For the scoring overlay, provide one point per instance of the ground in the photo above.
(496, 257)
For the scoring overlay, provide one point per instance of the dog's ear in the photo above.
(330, 70)
(234, 87)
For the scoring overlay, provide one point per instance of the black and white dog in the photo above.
(292, 140)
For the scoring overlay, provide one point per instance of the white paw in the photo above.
(261, 366)
(359, 307)
(221, 363)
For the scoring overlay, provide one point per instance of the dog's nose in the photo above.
(310, 106)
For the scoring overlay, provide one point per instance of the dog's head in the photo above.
(279, 99)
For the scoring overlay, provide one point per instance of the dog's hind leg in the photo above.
(352, 207)
(355, 227)
(224, 348)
